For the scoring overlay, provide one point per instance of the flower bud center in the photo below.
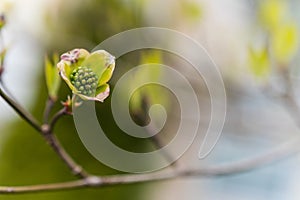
(84, 80)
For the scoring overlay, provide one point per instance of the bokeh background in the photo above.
(236, 33)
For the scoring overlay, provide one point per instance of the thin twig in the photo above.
(209, 171)
(288, 97)
(46, 131)
(76, 169)
(57, 116)
(49, 105)
(293, 108)
(5, 88)
(156, 140)
(151, 130)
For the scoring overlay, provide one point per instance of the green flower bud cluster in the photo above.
(87, 74)
(84, 80)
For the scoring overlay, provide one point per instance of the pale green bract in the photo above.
(86, 73)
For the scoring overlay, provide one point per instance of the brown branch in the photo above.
(47, 133)
(40, 188)
(76, 169)
(57, 116)
(287, 98)
(151, 130)
(209, 171)
(49, 105)
(156, 140)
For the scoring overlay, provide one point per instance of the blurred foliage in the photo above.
(259, 62)
(2, 56)
(191, 10)
(2, 20)
(76, 24)
(272, 13)
(281, 38)
(140, 102)
(142, 98)
(285, 42)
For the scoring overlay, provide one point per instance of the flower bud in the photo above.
(87, 74)
(2, 20)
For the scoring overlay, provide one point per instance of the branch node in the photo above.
(45, 128)
(77, 170)
(10, 190)
(93, 181)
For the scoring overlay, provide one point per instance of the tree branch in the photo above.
(47, 132)
(76, 169)
(156, 140)
(49, 105)
(57, 116)
(209, 171)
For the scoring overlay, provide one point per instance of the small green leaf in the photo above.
(52, 77)
(272, 13)
(152, 93)
(259, 62)
(285, 42)
(191, 10)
